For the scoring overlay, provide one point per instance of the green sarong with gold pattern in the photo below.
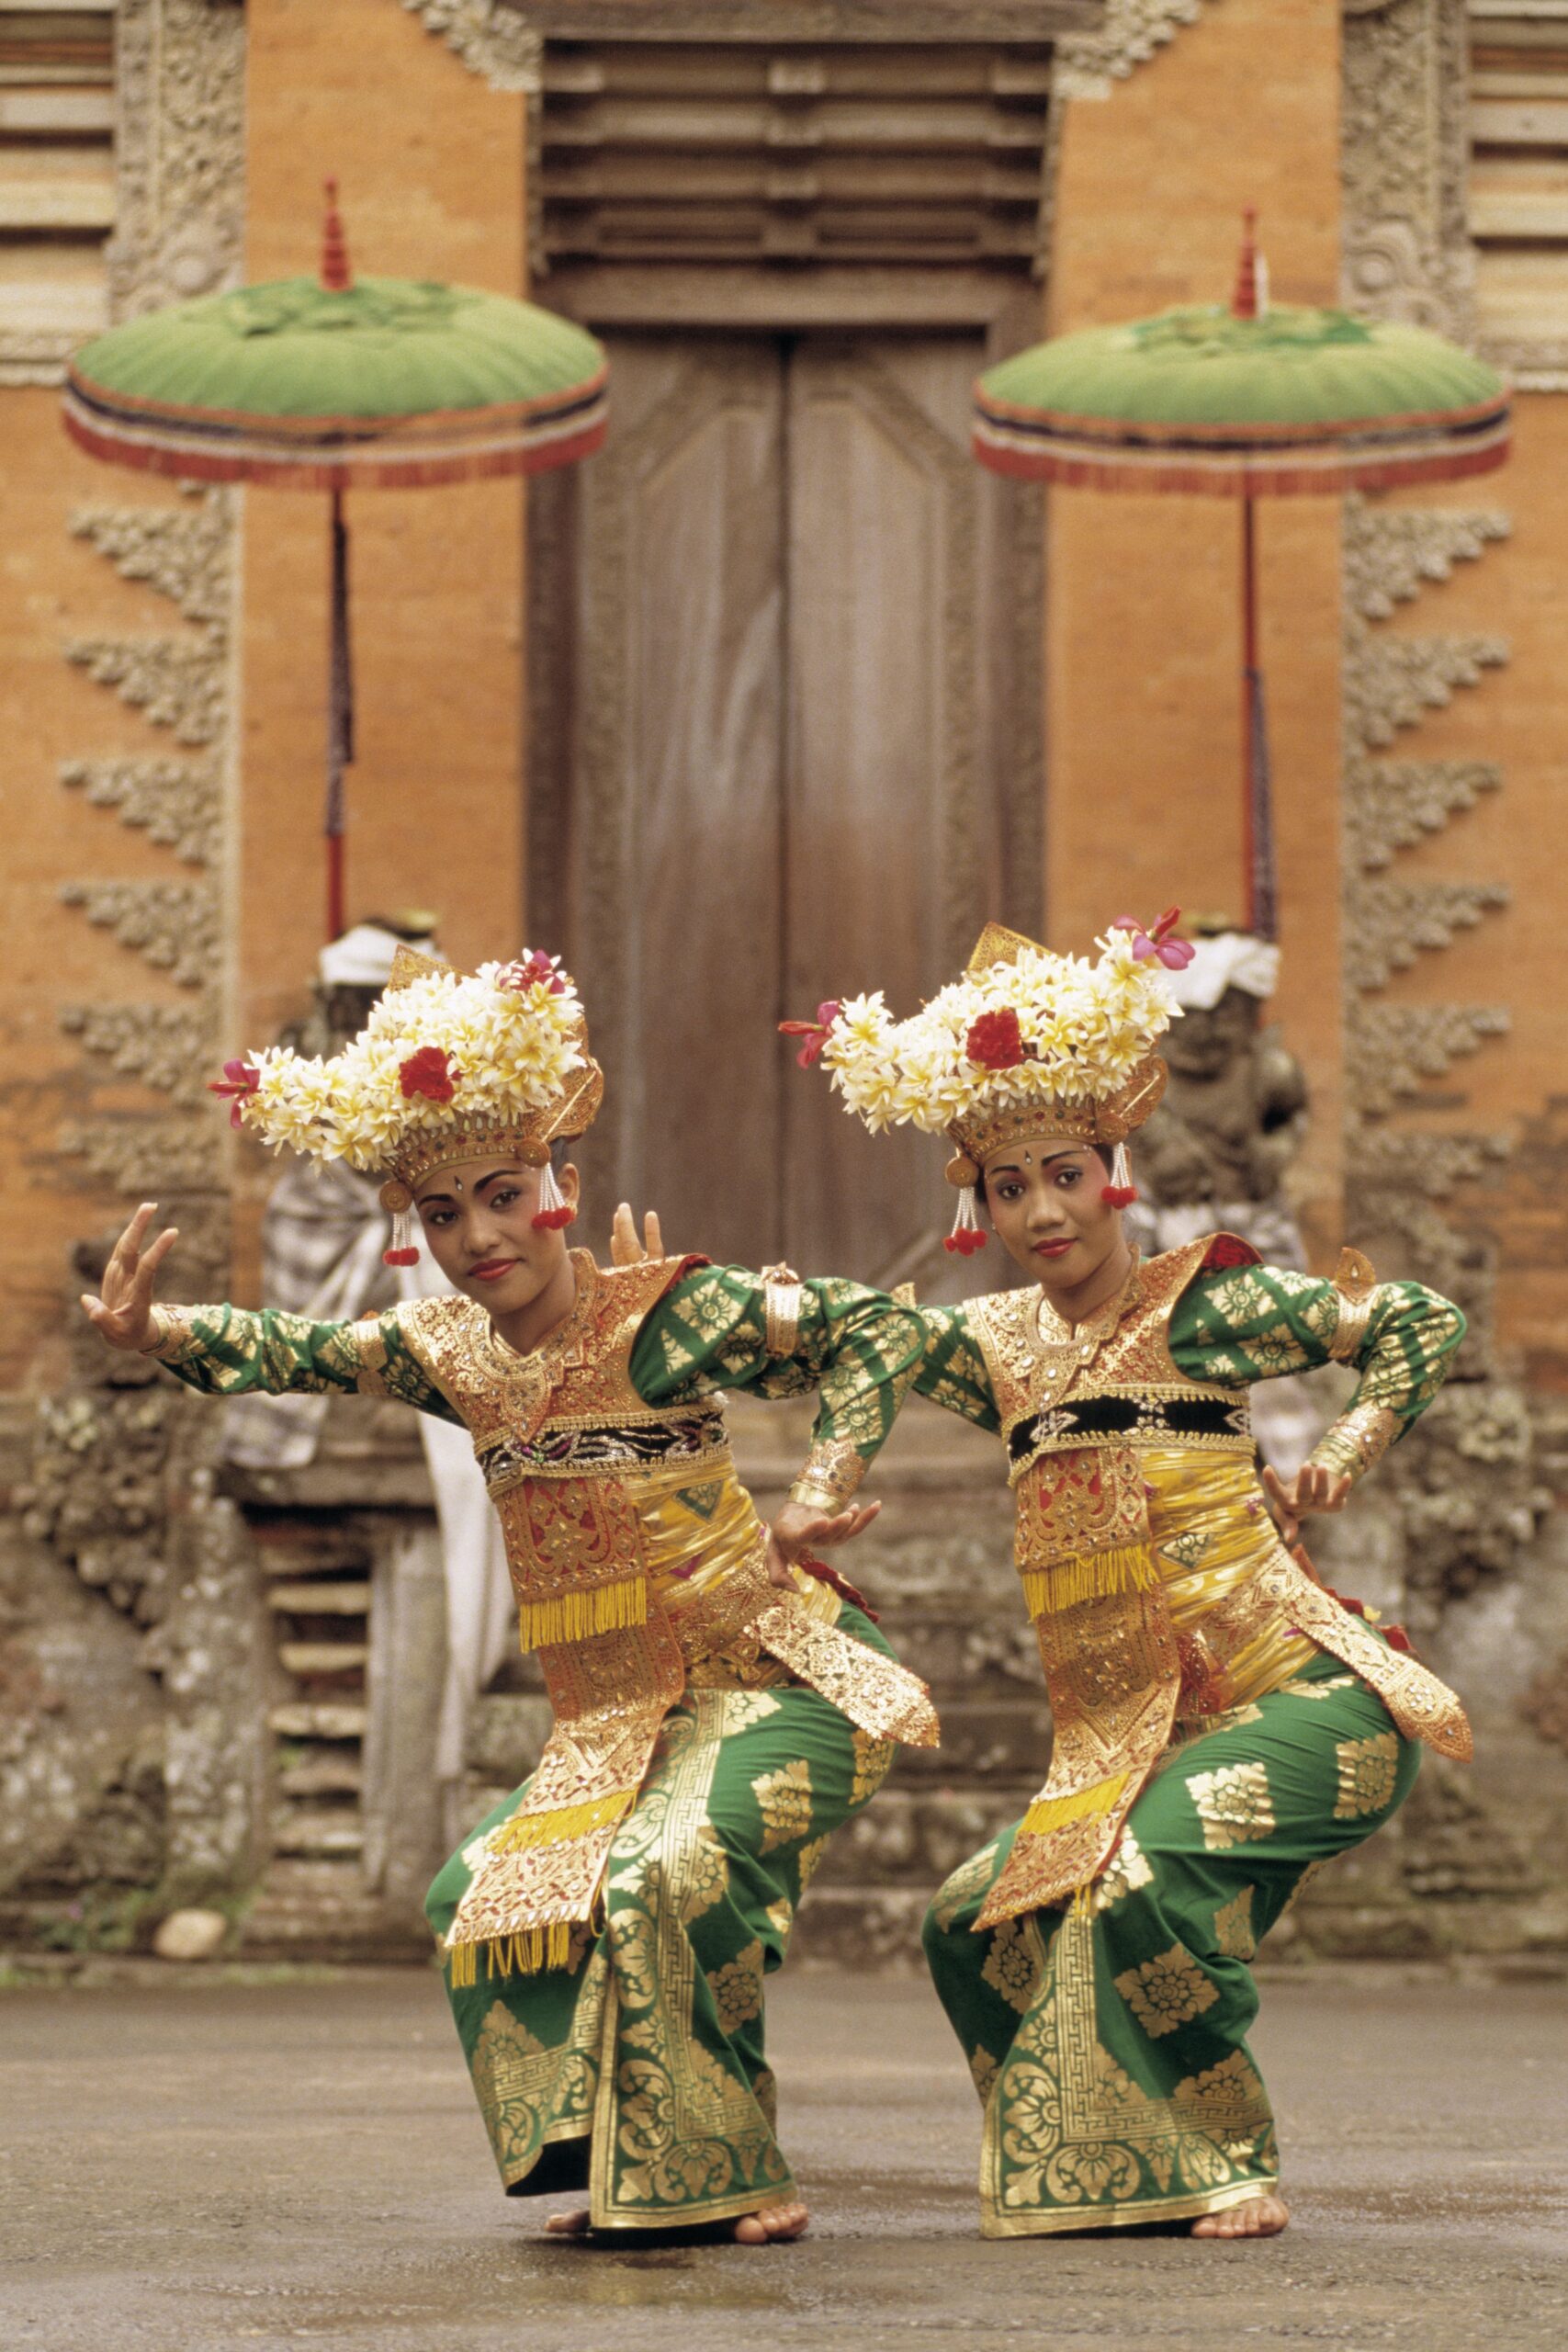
(637, 2072)
(1107, 2037)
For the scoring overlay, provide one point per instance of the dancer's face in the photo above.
(1044, 1200)
(479, 1220)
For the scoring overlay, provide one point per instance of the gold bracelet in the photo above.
(782, 1293)
(1357, 1285)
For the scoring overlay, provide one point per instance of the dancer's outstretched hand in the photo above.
(626, 1249)
(1314, 1488)
(797, 1529)
(122, 1311)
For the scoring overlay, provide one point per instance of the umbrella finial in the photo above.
(336, 275)
(1248, 300)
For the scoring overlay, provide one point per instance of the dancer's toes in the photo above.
(774, 2223)
(1258, 2217)
(567, 2225)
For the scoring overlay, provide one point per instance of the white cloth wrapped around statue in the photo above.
(323, 1231)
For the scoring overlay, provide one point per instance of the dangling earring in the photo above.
(966, 1235)
(554, 1211)
(398, 1201)
(1121, 1193)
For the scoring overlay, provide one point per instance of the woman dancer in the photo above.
(1222, 1722)
(717, 1714)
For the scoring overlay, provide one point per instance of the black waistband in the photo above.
(687, 1436)
(1135, 1420)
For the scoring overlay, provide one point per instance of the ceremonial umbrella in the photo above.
(1256, 399)
(335, 383)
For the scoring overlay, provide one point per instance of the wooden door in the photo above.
(785, 736)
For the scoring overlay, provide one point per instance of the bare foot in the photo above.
(775, 2224)
(778, 2222)
(1260, 2217)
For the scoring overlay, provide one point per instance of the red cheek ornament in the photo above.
(967, 1235)
(1121, 1193)
(398, 1201)
(555, 1213)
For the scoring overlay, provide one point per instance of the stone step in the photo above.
(323, 1658)
(324, 1599)
(323, 1911)
(336, 1832)
(916, 1836)
(329, 1771)
(318, 1719)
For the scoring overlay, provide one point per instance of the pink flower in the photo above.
(531, 969)
(1157, 944)
(239, 1079)
(814, 1032)
(429, 1072)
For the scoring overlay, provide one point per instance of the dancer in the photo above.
(717, 1713)
(1223, 1722)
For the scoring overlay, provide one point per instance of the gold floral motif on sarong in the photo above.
(1127, 1871)
(531, 2095)
(1234, 1804)
(966, 1883)
(679, 2134)
(1369, 1769)
(737, 1988)
(1070, 2136)
(874, 1761)
(1014, 1963)
(1167, 1992)
(809, 1861)
(784, 1799)
(1233, 1925)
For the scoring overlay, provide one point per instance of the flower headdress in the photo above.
(1025, 1042)
(449, 1065)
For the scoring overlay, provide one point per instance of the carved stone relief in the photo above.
(1090, 65)
(179, 145)
(492, 38)
(176, 803)
(1405, 162)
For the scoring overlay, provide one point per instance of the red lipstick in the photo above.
(1054, 1248)
(490, 1270)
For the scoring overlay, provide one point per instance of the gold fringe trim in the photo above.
(1047, 1814)
(527, 1830)
(578, 1616)
(527, 1953)
(1088, 1575)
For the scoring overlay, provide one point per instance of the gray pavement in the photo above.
(187, 2166)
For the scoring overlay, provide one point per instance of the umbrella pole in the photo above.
(340, 719)
(1258, 814)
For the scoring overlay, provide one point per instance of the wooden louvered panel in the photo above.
(848, 155)
(57, 195)
(1518, 179)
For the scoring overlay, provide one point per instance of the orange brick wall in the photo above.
(53, 588)
(1142, 643)
(430, 162)
(1517, 716)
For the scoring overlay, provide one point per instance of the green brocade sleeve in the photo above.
(722, 1327)
(953, 1369)
(1248, 1323)
(233, 1352)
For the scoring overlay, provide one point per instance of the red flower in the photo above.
(429, 1072)
(531, 969)
(966, 1241)
(1157, 944)
(239, 1079)
(994, 1040)
(814, 1032)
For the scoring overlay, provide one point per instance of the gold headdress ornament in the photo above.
(1024, 1043)
(448, 1067)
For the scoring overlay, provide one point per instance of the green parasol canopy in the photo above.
(1253, 399)
(1199, 398)
(332, 383)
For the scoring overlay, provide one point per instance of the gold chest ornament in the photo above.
(1079, 1407)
